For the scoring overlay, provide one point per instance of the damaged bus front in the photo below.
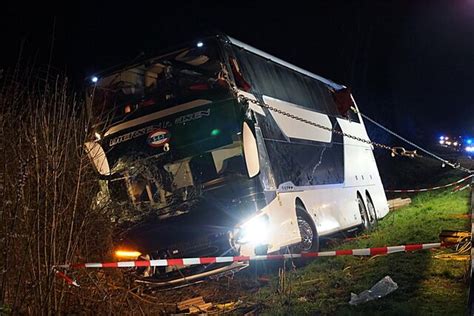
(178, 156)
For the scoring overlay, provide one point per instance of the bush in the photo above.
(47, 188)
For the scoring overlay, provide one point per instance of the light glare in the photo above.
(127, 254)
(255, 231)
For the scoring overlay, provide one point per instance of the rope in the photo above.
(444, 161)
(432, 188)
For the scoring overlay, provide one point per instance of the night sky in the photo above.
(410, 64)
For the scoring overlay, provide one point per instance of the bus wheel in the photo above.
(309, 235)
(373, 220)
(363, 214)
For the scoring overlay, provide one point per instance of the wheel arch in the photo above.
(361, 198)
(303, 210)
(371, 200)
(368, 195)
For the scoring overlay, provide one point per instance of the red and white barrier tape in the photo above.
(433, 188)
(208, 260)
(66, 278)
(461, 187)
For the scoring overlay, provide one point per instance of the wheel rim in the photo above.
(307, 234)
(363, 214)
(371, 209)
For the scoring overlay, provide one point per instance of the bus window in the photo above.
(159, 183)
(277, 81)
(160, 82)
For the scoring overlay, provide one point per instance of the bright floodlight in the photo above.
(200, 44)
(255, 231)
(94, 79)
(469, 141)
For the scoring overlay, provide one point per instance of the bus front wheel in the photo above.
(309, 235)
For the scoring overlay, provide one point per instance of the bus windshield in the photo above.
(160, 82)
(165, 186)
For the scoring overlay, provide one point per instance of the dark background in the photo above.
(410, 64)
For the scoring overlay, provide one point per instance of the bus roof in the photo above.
(284, 63)
(238, 43)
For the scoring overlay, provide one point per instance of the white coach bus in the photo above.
(206, 172)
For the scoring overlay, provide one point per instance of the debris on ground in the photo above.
(380, 289)
(228, 306)
(398, 203)
(197, 305)
(194, 305)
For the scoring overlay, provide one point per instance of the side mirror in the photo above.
(250, 151)
(98, 158)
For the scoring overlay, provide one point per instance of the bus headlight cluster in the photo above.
(254, 231)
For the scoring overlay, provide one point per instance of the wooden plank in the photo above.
(200, 308)
(398, 203)
(187, 304)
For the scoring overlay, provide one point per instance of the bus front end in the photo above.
(170, 153)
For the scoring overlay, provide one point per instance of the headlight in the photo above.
(255, 231)
(127, 254)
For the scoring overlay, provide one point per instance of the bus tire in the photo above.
(365, 225)
(309, 234)
(371, 211)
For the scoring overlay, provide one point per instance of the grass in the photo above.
(426, 285)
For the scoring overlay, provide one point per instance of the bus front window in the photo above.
(160, 82)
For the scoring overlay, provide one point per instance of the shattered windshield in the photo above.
(160, 82)
(162, 186)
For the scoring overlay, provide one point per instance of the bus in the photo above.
(201, 153)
